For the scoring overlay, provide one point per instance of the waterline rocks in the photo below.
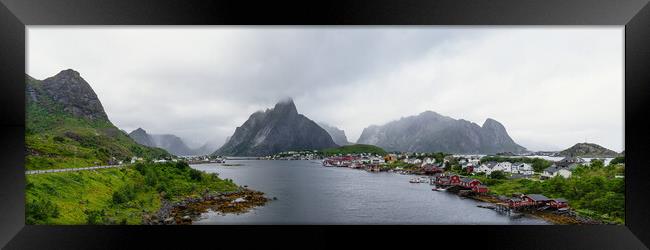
(190, 209)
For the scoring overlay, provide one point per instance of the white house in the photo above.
(522, 168)
(486, 168)
(429, 160)
(553, 171)
(503, 166)
(377, 160)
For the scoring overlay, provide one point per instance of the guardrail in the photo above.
(71, 169)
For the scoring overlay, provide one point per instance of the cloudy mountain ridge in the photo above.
(432, 132)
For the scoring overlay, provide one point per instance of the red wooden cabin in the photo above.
(536, 199)
(558, 203)
(480, 189)
(469, 182)
(454, 180)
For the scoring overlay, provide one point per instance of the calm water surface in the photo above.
(308, 193)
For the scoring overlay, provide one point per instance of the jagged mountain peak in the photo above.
(139, 130)
(279, 129)
(68, 73)
(285, 105)
(70, 92)
(489, 122)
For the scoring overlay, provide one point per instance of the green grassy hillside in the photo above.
(113, 196)
(355, 149)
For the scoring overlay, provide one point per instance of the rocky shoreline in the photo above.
(186, 211)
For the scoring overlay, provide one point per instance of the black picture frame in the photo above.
(634, 15)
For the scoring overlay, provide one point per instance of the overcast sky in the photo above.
(551, 87)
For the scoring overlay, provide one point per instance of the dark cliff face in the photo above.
(275, 130)
(73, 94)
(431, 132)
(141, 137)
(496, 138)
(337, 134)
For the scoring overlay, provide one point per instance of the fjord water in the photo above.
(308, 193)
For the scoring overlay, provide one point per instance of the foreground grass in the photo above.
(113, 196)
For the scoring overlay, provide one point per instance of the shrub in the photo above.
(94, 217)
(124, 194)
(617, 160)
(140, 168)
(195, 174)
(182, 165)
(40, 211)
(497, 175)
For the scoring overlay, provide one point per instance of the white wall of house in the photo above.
(504, 166)
(549, 175)
(524, 168)
(564, 173)
(483, 169)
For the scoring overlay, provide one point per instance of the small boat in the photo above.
(414, 180)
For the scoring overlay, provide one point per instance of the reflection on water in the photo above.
(308, 193)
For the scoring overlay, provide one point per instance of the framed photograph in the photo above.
(502, 124)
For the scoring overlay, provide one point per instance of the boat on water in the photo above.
(415, 180)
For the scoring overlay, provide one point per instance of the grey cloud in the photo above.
(201, 83)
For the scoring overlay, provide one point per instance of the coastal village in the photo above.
(462, 174)
(467, 176)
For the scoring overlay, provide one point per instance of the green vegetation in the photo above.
(400, 164)
(56, 139)
(618, 160)
(113, 196)
(593, 190)
(355, 149)
(498, 175)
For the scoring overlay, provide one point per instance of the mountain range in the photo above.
(66, 120)
(432, 132)
(275, 130)
(169, 142)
